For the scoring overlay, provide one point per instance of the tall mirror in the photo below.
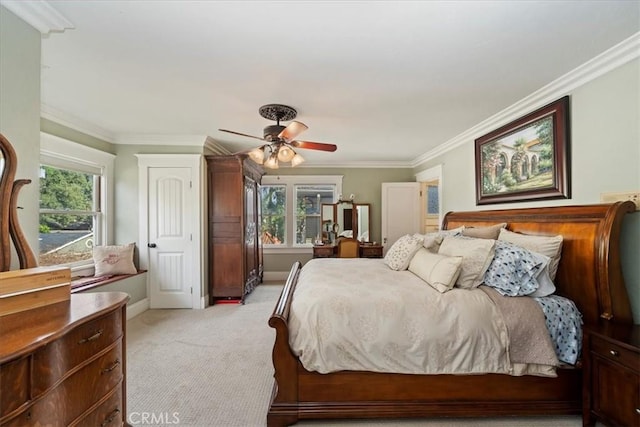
(362, 221)
(346, 219)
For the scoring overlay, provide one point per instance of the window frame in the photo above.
(290, 181)
(63, 153)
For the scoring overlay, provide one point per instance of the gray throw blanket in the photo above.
(529, 340)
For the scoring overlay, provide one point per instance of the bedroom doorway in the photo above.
(431, 199)
(430, 206)
(169, 187)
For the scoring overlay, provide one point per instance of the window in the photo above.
(291, 208)
(75, 202)
(70, 215)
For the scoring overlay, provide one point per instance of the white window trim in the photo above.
(64, 153)
(289, 181)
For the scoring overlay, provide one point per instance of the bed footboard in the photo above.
(283, 409)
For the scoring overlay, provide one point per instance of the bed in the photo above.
(589, 274)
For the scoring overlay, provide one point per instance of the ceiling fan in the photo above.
(280, 142)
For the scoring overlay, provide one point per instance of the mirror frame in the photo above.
(7, 175)
(9, 224)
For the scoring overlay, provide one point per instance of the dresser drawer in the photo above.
(74, 348)
(109, 413)
(14, 385)
(614, 352)
(77, 394)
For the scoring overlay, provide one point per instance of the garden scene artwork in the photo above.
(527, 159)
(520, 161)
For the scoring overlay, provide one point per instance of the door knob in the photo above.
(151, 245)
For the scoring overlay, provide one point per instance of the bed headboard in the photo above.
(589, 273)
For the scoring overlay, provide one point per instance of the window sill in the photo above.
(80, 284)
(288, 250)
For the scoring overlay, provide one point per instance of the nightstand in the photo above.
(370, 251)
(324, 251)
(611, 374)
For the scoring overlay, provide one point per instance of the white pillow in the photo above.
(116, 259)
(550, 246)
(476, 254)
(400, 253)
(433, 240)
(439, 271)
(487, 232)
(546, 286)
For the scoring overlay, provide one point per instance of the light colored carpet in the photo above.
(213, 367)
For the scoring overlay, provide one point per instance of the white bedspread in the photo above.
(357, 314)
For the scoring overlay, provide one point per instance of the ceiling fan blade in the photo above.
(314, 145)
(241, 134)
(292, 130)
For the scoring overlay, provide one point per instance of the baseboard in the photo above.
(275, 276)
(137, 308)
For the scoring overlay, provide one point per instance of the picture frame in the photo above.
(527, 159)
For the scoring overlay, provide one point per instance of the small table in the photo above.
(611, 374)
(331, 251)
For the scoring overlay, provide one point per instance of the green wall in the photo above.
(364, 183)
(605, 157)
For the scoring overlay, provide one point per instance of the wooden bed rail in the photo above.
(285, 390)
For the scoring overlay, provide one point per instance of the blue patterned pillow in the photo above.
(513, 270)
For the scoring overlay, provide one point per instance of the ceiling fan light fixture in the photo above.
(272, 161)
(285, 153)
(297, 159)
(257, 155)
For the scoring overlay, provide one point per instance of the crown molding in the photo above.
(39, 14)
(60, 117)
(379, 164)
(215, 147)
(618, 55)
(161, 139)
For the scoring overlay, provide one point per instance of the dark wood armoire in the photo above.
(235, 246)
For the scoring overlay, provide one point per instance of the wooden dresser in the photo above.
(64, 364)
(235, 248)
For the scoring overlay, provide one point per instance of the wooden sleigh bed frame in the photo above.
(589, 273)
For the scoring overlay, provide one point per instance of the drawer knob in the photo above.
(91, 338)
(110, 418)
(638, 411)
(113, 366)
(614, 353)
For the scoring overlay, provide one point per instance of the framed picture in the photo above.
(527, 159)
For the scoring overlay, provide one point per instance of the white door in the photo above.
(170, 237)
(171, 229)
(401, 211)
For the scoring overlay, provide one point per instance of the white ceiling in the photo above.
(384, 80)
